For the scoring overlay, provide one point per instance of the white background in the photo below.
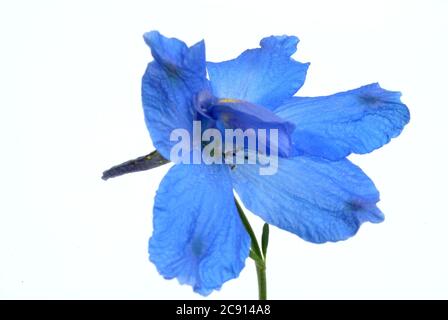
(70, 106)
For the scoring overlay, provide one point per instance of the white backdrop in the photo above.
(70, 106)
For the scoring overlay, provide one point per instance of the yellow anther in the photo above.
(228, 100)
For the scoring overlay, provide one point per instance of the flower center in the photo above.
(229, 113)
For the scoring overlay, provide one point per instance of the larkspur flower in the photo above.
(316, 194)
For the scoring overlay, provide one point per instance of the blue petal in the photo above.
(266, 76)
(198, 236)
(357, 121)
(169, 85)
(316, 199)
(237, 114)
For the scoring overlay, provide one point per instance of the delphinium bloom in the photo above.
(317, 193)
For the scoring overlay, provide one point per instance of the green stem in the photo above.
(256, 254)
(261, 276)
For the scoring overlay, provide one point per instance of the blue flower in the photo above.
(316, 194)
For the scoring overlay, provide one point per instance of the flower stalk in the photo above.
(257, 254)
